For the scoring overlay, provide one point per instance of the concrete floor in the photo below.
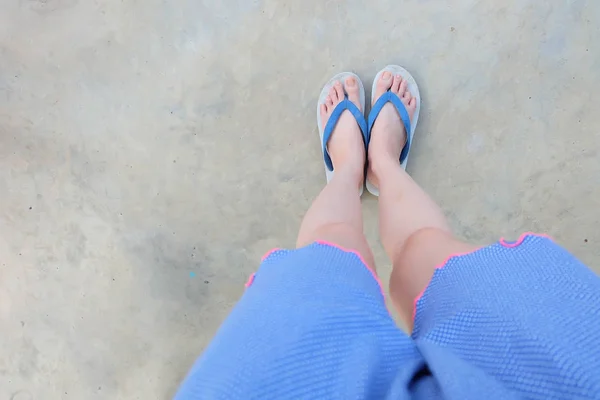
(152, 151)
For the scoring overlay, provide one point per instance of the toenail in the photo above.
(386, 75)
(350, 82)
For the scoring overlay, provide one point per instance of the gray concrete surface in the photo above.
(151, 151)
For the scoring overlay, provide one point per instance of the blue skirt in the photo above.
(508, 321)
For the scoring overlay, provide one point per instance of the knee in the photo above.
(423, 252)
(418, 240)
(343, 235)
(334, 230)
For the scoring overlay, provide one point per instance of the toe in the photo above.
(413, 104)
(323, 111)
(402, 88)
(339, 90)
(351, 87)
(406, 97)
(383, 85)
(329, 102)
(396, 84)
(333, 95)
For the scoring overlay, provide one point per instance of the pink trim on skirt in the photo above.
(502, 242)
(330, 244)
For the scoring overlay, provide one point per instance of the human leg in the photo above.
(515, 319)
(335, 216)
(413, 229)
(312, 322)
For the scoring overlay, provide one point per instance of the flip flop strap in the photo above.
(333, 119)
(395, 100)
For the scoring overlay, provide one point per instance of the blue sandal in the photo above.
(409, 124)
(325, 132)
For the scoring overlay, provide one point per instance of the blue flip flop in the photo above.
(326, 131)
(409, 124)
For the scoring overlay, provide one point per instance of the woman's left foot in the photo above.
(346, 147)
(388, 135)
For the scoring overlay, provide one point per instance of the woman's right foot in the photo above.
(346, 146)
(388, 135)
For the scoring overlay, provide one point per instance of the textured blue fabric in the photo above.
(499, 323)
(333, 120)
(395, 100)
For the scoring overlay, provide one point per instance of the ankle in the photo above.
(382, 164)
(352, 171)
(352, 163)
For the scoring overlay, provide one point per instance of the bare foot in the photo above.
(345, 146)
(388, 135)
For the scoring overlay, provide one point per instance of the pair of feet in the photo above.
(388, 135)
